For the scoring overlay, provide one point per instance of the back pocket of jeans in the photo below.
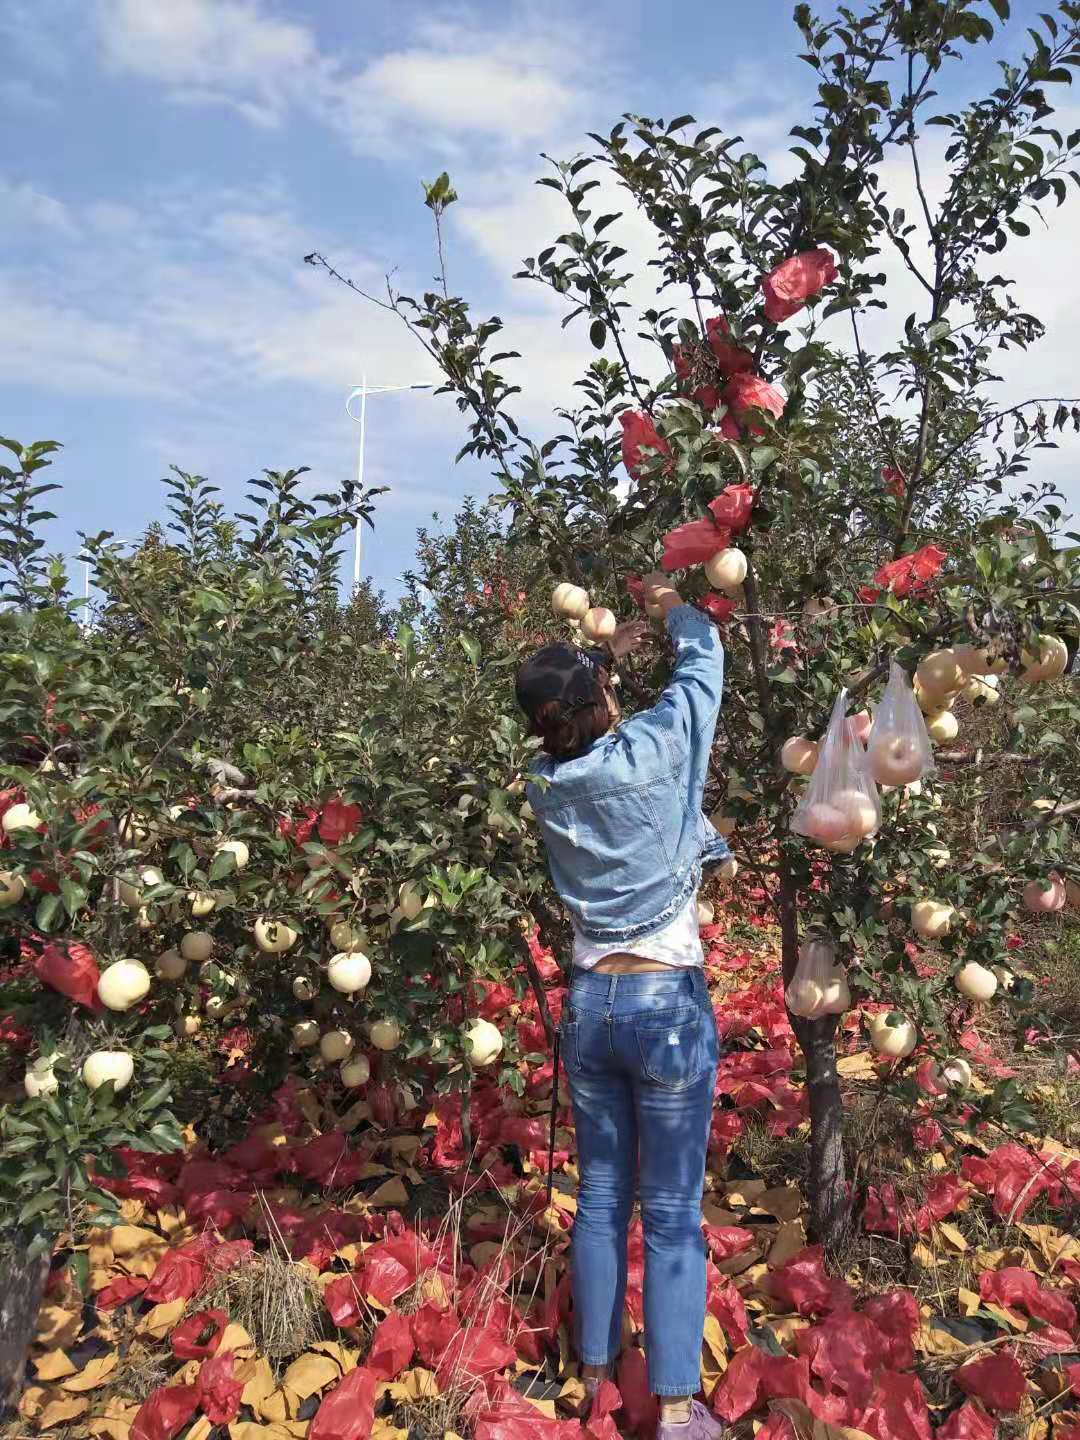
(568, 1047)
(672, 1055)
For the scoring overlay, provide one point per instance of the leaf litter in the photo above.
(276, 1289)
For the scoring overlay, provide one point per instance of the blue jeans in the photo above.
(640, 1053)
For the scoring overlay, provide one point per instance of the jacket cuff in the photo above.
(685, 619)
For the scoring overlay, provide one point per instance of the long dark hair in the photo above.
(566, 734)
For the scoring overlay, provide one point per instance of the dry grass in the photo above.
(434, 1415)
(274, 1298)
(142, 1371)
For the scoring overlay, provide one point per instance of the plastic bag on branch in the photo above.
(819, 986)
(899, 750)
(841, 805)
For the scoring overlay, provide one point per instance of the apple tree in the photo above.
(806, 426)
(248, 834)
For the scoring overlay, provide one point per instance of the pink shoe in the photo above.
(702, 1425)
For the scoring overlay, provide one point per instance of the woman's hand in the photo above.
(627, 637)
(660, 594)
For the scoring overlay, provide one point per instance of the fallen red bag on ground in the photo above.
(804, 1285)
(177, 1277)
(432, 1331)
(342, 1300)
(970, 1422)
(199, 1336)
(391, 1266)
(640, 1409)
(120, 1291)
(219, 1392)
(897, 1409)
(164, 1413)
(599, 1425)
(473, 1354)
(1019, 1289)
(996, 1380)
(391, 1348)
(347, 1412)
(506, 1415)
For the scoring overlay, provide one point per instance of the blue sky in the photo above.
(168, 163)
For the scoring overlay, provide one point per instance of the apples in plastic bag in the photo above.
(841, 806)
(819, 986)
(899, 750)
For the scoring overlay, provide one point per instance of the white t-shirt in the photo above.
(678, 943)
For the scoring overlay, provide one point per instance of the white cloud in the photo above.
(25, 205)
(448, 83)
(211, 51)
(452, 94)
(212, 300)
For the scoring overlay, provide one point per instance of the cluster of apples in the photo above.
(597, 623)
(848, 811)
(819, 986)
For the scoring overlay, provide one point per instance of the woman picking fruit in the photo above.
(618, 803)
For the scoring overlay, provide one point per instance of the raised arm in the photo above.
(691, 702)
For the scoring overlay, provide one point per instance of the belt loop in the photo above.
(612, 987)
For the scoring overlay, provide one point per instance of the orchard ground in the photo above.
(320, 1270)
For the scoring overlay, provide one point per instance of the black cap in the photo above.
(560, 672)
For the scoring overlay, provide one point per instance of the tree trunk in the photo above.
(817, 1039)
(22, 1284)
(828, 1190)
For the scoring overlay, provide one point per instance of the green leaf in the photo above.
(74, 896)
(471, 646)
(598, 334)
(48, 907)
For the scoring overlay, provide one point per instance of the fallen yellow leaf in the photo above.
(309, 1374)
(95, 1373)
(258, 1380)
(744, 1192)
(715, 1214)
(483, 1252)
(952, 1235)
(789, 1240)
(414, 1384)
(546, 1407)
(236, 1338)
(391, 1192)
(857, 1067)
(931, 1341)
(99, 1250)
(783, 1201)
(382, 1429)
(277, 1406)
(61, 1410)
(130, 1243)
(162, 1319)
(57, 1326)
(53, 1365)
(405, 1147)
(345, 1358)
(251, 1430)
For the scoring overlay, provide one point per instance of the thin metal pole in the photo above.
(360, 478)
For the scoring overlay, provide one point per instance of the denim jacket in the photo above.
(622, 821)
